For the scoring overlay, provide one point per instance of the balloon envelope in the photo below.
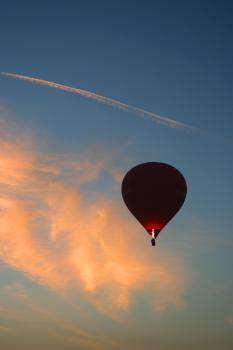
(154, 192)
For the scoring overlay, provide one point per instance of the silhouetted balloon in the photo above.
(154, 192)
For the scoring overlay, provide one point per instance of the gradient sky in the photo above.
(77, 271)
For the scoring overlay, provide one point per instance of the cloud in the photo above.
(229, 320)
(65, 236)
(106, 100)
(5, 329)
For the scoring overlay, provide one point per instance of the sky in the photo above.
(77, 271)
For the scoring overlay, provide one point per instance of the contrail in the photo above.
(153, 116)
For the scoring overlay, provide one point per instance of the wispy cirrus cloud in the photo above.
(172, 123)
(66, 238)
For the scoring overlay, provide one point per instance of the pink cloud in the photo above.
(67, 238)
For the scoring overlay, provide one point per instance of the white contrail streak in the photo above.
(153, 116)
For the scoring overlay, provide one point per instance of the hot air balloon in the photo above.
(154, 192)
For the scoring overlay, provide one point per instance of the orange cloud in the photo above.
(62, 235)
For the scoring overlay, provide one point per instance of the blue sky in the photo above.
(63, 157)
